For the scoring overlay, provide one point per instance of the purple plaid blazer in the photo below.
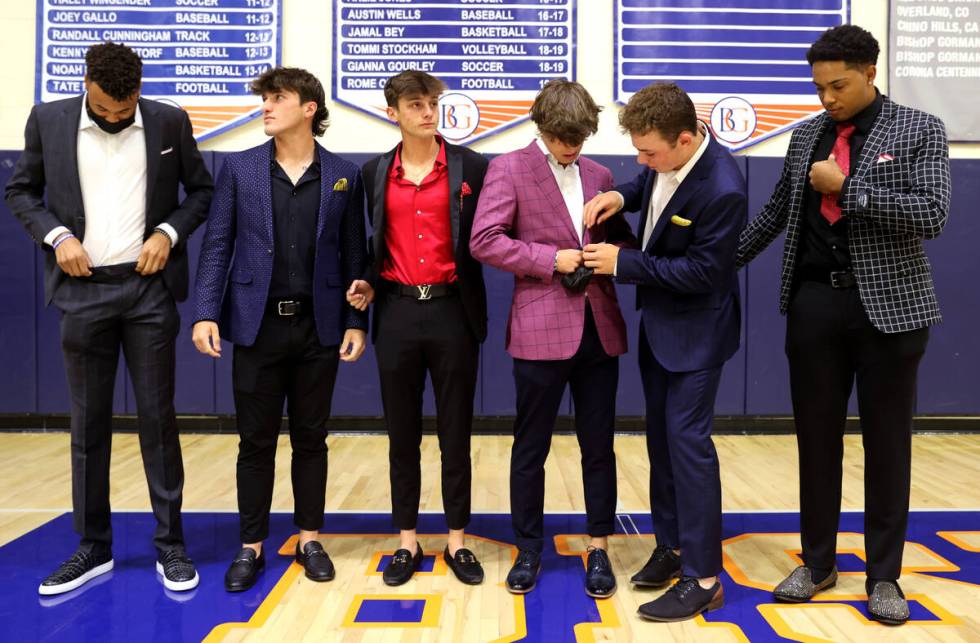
(521, 222)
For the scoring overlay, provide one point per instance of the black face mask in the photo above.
(106, 126)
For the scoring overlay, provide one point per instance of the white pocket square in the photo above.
(167, 151)
(885, 158)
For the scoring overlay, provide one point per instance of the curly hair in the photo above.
(115, 68)
(563, 109)
(663, 107)
(849, 43)
(300, 81)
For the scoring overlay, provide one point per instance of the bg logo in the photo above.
(458, 116)
(733, 119)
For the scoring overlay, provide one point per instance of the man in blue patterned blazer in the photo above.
(863, 185)
(284, 239)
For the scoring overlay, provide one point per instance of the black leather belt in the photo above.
(112, 274)
(835, 279)
(422, 292)
(288, 307)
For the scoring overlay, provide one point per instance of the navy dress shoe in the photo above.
(664, 566)
(465, 565)
(402, 566)
(244, 570)
(600, 582)
(523, 576)
(684, 600)
(315, 561)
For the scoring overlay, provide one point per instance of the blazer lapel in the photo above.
(589, 189)
(151, 135)
(265, 185)
(455, 163)
(326, 190)
(876, 138)
(537, 163)
(69, 126)
(687, 189)
(378, 216)
(645, 201)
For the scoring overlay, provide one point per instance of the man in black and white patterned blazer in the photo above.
(863, 184)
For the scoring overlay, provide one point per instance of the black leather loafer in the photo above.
(244, 570)
(402, 566)
(465, 565)
(315, 561)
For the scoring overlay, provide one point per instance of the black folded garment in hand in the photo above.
(578, 280)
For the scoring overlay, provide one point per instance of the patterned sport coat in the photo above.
(521, 223)
(897, 196)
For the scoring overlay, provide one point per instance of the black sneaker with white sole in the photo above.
(177, 570)
(82, 567)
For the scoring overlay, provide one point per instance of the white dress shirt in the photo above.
(666, 185)
(112, 175)
(570, 183)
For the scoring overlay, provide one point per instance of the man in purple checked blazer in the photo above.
(284, 240)
(565, 326)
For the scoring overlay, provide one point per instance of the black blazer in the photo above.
(464, 165)
(49, 162)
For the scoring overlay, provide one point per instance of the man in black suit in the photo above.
(863, 185)
(431, 313)
(114, 235)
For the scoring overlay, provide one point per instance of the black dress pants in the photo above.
(112, 308)
(415, 337)
(831, 343)
(288, 364)
(593, 377)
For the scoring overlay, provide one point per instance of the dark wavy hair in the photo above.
(294, 79)
(849, 43)
(115, 68)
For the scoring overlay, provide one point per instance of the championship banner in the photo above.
(934, 61)
(199, 55)
(743, 62)
(494, 56)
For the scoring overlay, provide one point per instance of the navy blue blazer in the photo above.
(235, 268)
(686, 281)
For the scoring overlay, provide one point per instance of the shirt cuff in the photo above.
(54, 234)
(168, 230)
(616, 265)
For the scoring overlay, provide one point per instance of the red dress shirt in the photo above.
(417, 230)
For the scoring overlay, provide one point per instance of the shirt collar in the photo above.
(864, 119)
(678, 176)
(551, 159)
(85, 122)
(396, 164)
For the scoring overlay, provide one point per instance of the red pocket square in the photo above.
(465, 190)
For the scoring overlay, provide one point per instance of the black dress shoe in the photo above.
(600, 582)
(402, 566)
(685, 599)
(244, 570)
(177, 570)
(664, 565)
(523, 576)
(465, 565)
(82, 567)
(315, 561)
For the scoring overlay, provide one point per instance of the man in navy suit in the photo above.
(284, 238)
(97, 188)
(692, 205)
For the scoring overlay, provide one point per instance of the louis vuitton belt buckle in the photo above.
(424, 292)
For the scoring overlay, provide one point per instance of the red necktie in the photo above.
(842, 154)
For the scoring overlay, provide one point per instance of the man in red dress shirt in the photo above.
(431, 311)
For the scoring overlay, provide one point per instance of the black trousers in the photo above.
(118, 307)
(285, 364)
(415, 337)
(831, 343)
(593, 377)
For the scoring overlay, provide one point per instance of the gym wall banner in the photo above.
(494, 56)
(197, 54)
(743, 62)
(934, 61)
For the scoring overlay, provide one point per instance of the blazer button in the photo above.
(269, 251)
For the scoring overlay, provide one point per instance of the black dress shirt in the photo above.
(824, 247)
(295, 209)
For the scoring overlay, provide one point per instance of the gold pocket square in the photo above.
(340, 185)
(681, 221)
